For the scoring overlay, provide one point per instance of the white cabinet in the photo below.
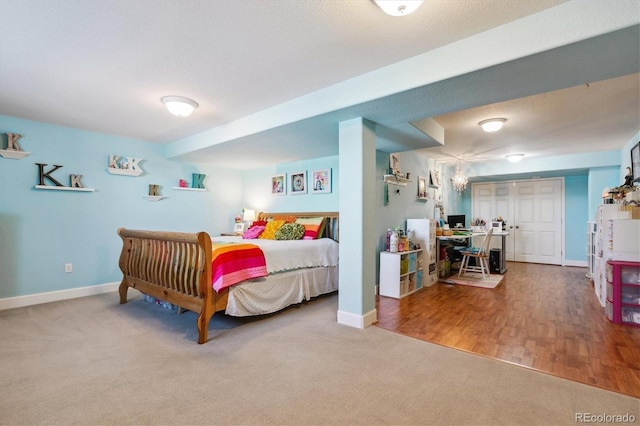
(400, 273)
(591, 248)
(423, 231)
(605, 218)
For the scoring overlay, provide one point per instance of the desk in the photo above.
(502, 234)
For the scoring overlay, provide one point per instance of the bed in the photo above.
(176, 267)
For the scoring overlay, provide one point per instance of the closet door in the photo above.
(538, 223)
(533, 212)
(490, 200)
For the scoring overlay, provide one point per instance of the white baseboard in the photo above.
(54, 296)
(357, 321)
(579, 263)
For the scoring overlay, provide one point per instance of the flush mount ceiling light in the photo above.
(179, 106)
(514, 158)
(492, 125)
(398, 7)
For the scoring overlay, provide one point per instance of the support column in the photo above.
(357, 165)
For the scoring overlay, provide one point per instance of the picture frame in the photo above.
(320, 181)
(635, 162)
(238, 228)
(279, 184)
(434, 178)
(394, 163)
(422, 188)
(298, 183)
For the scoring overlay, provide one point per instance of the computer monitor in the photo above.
(457, 221)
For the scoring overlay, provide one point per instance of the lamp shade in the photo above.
(179, 106)
(398, 7)
(249, 215)
(492, 125)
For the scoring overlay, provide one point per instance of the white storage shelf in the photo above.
(400, 273)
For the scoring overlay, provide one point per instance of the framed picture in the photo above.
(321, 181)
(238, 228)
(434, 178)
(635, 162)
(298, 183)
(278, 185)
(394, 163)
(422, 188)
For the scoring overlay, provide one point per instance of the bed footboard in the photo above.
(172, 266)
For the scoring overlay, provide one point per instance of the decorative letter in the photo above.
(12, 142)
(47, 175)
(76, 181)
(113, 161)
(133, 164)
(198, 180)
(153, 191)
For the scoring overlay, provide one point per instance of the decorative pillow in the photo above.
(290, 231)
(258, 223)
(313, 227)
(253, 232)
(269, 232)
(287, 219)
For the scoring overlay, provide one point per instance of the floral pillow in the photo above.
(290, 231)
(270, 230)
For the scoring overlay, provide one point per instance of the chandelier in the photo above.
(459, 180)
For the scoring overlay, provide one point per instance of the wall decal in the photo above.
(13, 150)
(128, 166)
(75, 181)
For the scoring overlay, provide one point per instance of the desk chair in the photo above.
(480, 254)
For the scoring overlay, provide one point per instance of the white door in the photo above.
(532, 210)
(491, 200)
(538, 223)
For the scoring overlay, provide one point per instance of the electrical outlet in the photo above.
(68, 267)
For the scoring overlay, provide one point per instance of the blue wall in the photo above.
(576, 213)
(42, 230)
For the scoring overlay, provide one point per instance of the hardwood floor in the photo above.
(542, 317)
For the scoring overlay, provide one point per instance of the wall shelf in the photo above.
(16, 155)
(188, 189)
(64, 188)
(154, 197)
(394, 180)
(124, 172)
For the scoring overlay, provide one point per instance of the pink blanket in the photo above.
(235, 262)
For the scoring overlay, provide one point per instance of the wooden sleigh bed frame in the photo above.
(176, 267)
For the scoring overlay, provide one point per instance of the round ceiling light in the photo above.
(493, 124)
(398, 7)
(179, 106)
(514, 158)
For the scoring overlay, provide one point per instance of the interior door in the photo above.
(538, 223)
(532, 210)
(491, 200)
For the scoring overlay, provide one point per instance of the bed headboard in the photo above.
(331, 228)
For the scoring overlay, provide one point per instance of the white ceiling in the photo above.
(104, 65)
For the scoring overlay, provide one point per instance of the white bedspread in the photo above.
(287, 255)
